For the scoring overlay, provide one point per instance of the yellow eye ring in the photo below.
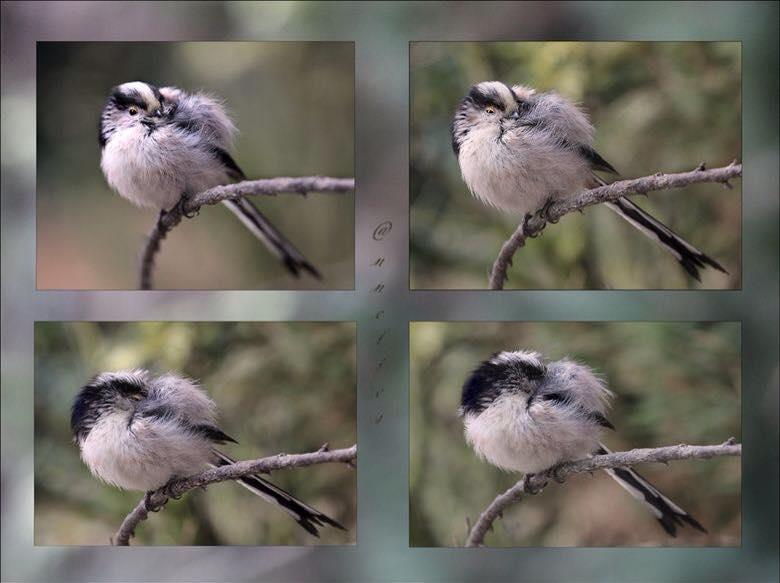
(490, 110)
(132, 111)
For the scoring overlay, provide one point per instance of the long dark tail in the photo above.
(689, 256)
(309, 518)
(668, 514)
(262, 228)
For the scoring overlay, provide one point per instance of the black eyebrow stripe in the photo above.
(481, 99)
(512, 93)
(523, 105)
(488, 101)
(125, 100)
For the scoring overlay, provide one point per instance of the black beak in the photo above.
(514, 115)
(150, 121)
(150, 125)
(531, 398)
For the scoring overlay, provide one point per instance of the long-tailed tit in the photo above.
(525, 415)
(520, 150)
(161, 145)
(138, 432)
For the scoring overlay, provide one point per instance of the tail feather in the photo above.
(689, 257)
(668, 514)
(686, 254)
(307, 517)
(262, 228)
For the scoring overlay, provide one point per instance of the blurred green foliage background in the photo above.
(279, 387)
(294, 106)
(656, 107)
(674, 383)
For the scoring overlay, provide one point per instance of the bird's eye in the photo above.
(132, 111)
(490, 110)
(137, 396)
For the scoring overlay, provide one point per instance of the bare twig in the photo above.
(191, 205)
(156, 500)
(535, 483)
(533, 225)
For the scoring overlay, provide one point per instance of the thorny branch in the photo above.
(533, 225)
(535, 483)
(157, 499)
(191, 205)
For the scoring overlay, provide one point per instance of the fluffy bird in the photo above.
(520, 151)
(139, 432)
(522, 414)
(159, 146)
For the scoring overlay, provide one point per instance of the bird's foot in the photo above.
(151, 504)
(169, 491)
(535, 483)
(545, 213)
(181, 208)
(556, 474)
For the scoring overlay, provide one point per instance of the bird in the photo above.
(520, 150)
(160, 146)
(522, 413)
(137, 431)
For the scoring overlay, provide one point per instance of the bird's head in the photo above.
(505, 373)
(134, 105)
(109, 393)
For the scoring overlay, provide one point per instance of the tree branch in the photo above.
(154, 501)
(188, 207)
(535, 483)
(533, 225)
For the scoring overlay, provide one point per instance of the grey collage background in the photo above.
(382, 32)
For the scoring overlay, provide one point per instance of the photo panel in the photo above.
(494, 402)
(506, 136)
(127, 130)
(123, 408)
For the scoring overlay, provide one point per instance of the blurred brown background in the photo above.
(656, 107)
(293, 104)
(279, 388)
(673, 383)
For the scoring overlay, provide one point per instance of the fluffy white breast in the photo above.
(520, 170)
(514, 437)
(142, 455)
(153, 170)
(134, 167)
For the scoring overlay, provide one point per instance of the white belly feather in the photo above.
(142, 456)
(515, 438)
(154, 170)
(520, 171)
